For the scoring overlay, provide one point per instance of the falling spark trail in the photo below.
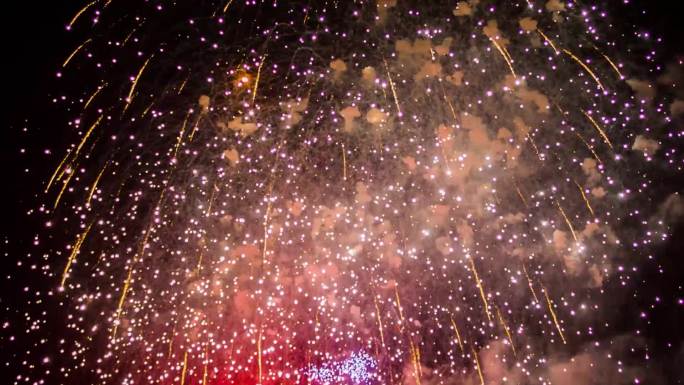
(74, 251)
(225, 9)
(520, 194)
(379, 317)
(584, 197)
(97, 91)
(416, 360)
(146, 110)
(94, 185)
(173, 333)
(398, 301)
(205, 371)
(64, 187)
(504, 54)
(567, 221)
(129, 98)
(79, 13)
(458, 335)
(394, 91)
(598, 128)
(534, 146)
(185, 368)
(256, 82)
(87, 135)
(481, 288)
(182, 86)
(506, 330)
(586, 68)
(530, 285)
(548, 41)
(199, 261)
(553, 314)
(477, 366)
(259, 357)
(74, 52)
(344, 163)
(179, 141)
(57, 170)
(612, 64)
(129, 277)
(591, 149)
(195, 127)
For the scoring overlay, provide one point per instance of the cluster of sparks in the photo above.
(362, 193)
(358, 368)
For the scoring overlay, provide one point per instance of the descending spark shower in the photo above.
(349, 192)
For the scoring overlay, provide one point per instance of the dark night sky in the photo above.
(35, 43)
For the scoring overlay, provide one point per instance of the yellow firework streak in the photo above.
(64, 187)
(481, 288)
(129, 98)
(206, 364)
(259, 355)
(415, 357)
(603, 134)
(74, 252)
(146, 110)
(87, 135)
(451, 106)
(225, 9)
(74, 156)
(401, 312)
(211, 201)
(195, 127)
(79, 13)
(589, 147)
(584, 196)
(182, 86)
(344, 163)
(185, 368)
(458, 335)
(505, 55)
(567, 221)
(553, 314)
(506, 329)
(90, 99)
(94, 186)
(173, 333)
(477, 365)
(267, 218)
(586, 68)
(180, 135)
(613, 66)
(199, 262)
(520, 194)
(394, 91)
(534, 146)
(68, 59)
(377, 314)
(129, 278)
(529, 283)
(129, 35)
(548, 41)
(256, 82)
(57, 170)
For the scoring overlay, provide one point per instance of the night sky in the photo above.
(247, 230)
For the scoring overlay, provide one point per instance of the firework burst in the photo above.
(360, 192)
